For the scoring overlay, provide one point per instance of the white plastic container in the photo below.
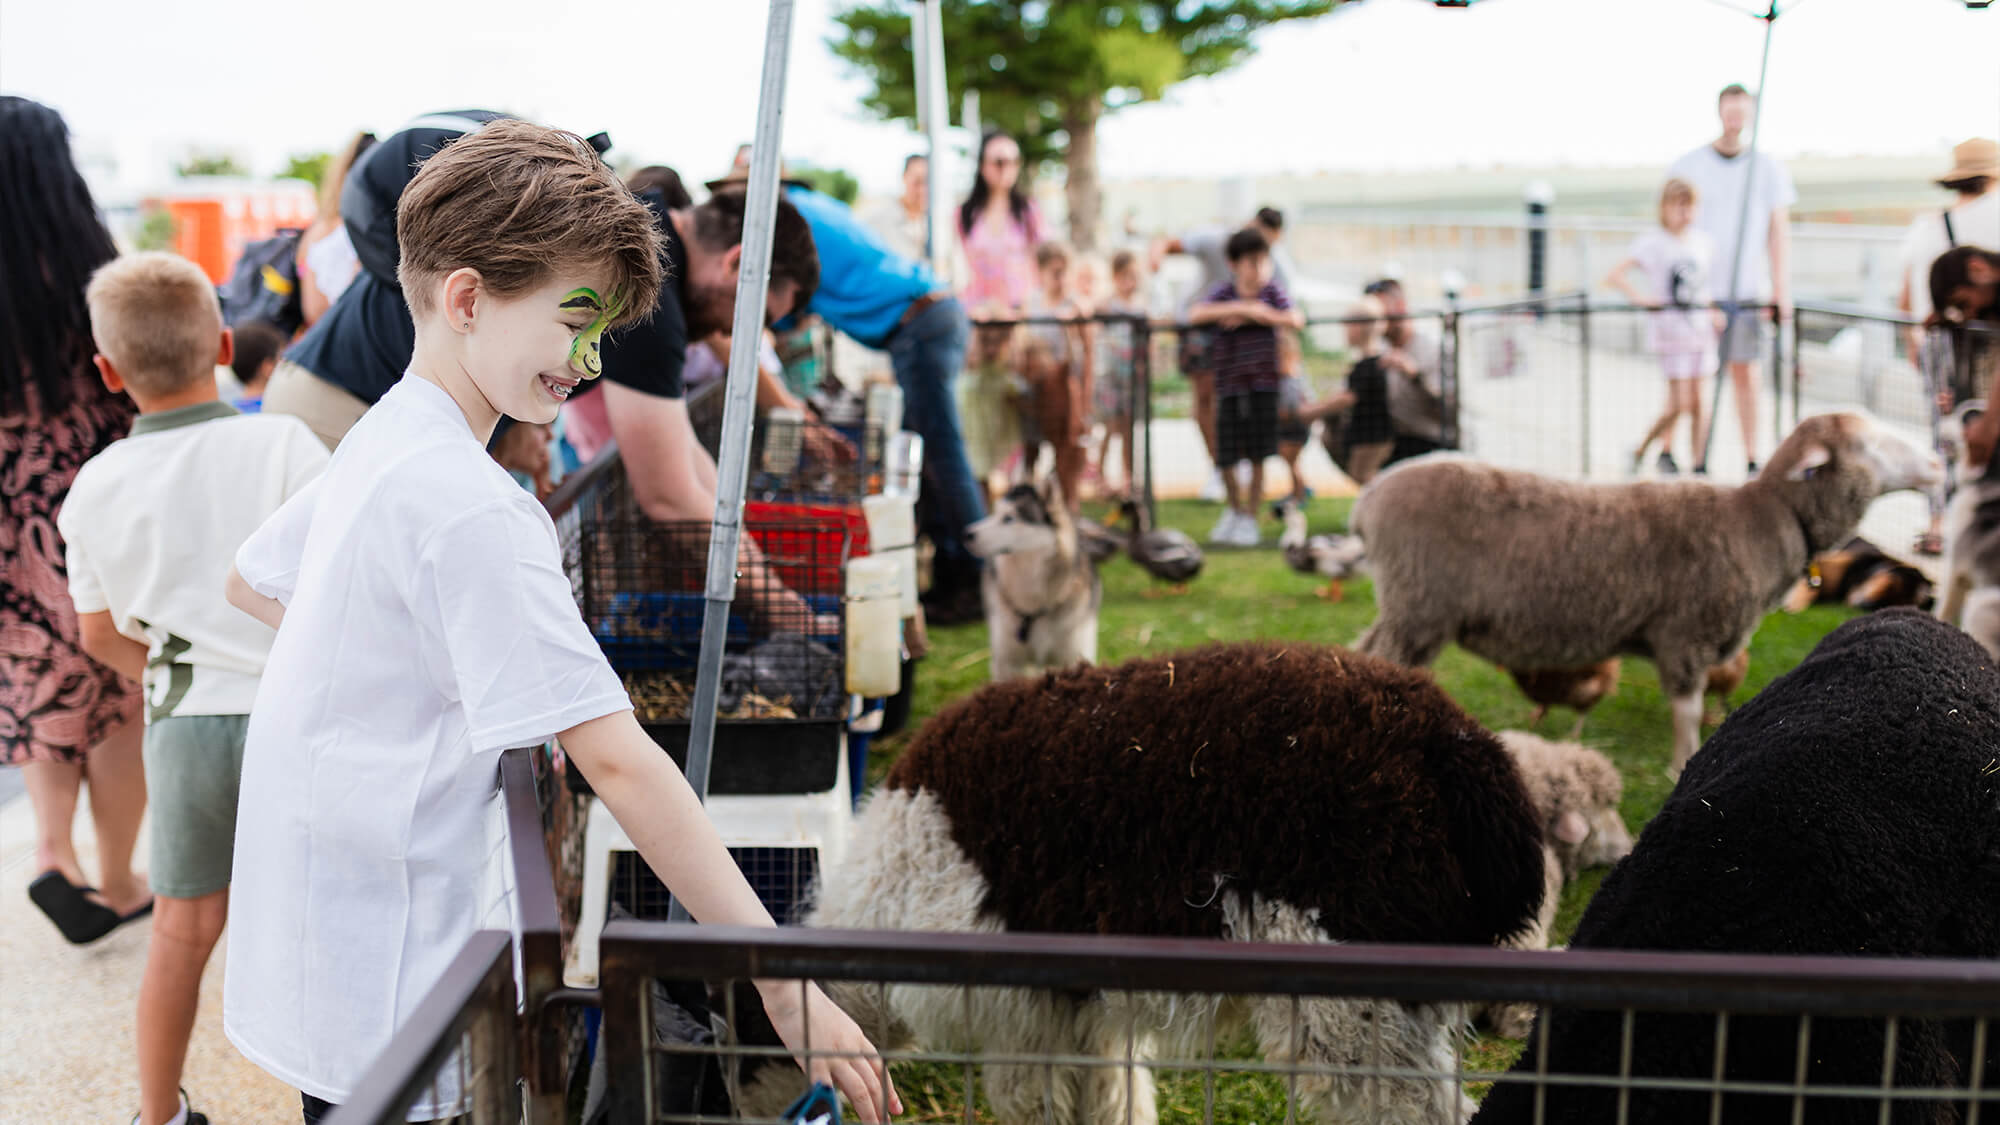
(892, 534)
(903, 465)
(874, 627)
(884, 418)
(784, 436)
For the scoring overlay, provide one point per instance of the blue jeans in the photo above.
(927, 354)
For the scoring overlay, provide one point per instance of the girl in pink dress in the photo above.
(63, 716)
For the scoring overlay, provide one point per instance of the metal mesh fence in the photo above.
(1039, 1028)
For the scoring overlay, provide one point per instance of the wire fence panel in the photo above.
(1008, 1027)
(456, 1057)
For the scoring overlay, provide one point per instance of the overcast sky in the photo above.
(1383, 84)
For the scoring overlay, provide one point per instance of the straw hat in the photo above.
(1976, 157)
(739, 178)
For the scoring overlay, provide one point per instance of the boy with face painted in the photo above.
(425, 624)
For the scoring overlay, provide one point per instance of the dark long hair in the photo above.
(1017, 196)
(51, 240)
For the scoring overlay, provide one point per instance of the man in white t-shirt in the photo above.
(1752, 270)
(1973, 219)
(151, 524)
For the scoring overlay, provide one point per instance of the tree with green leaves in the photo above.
(1047, 71)
(310, 167)
(212, 164)
(836, 182)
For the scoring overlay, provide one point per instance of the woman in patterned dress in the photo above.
(63, 717)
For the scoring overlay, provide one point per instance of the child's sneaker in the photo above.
(1668, 466)
(1224, 534)
(1248, 533)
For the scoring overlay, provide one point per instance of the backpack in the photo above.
(265, 284)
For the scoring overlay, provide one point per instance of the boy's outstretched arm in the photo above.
(270, 611)
(650, 798)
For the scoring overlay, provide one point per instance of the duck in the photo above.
(1334, 557)
(1099, 542)
(1166, 553)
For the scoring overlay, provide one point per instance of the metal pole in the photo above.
(1142, 415)
(739, 398)
(1742, 227)
(1583, 333)
(1449, 362)
(931, 94)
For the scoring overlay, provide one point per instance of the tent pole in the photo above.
(739, 400)
(932, 94)
(1742, 227)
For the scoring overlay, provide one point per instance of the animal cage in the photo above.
(778, 786)
(784, 466)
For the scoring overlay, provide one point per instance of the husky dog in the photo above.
(1040, 588)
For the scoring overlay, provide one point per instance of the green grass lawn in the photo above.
(1246, 594)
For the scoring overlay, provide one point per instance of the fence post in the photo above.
(1778, 370)
(1448, 364)
(1142, 416)
(1583, 334)
(1799, 375)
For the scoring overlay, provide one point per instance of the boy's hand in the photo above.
(804, 1016)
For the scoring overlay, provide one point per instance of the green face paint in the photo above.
(584, 357)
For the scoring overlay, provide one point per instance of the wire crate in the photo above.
(780, 876)
(785, 467)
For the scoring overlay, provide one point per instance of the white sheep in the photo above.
(1531, 572)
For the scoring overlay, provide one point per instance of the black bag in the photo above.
(265, 284)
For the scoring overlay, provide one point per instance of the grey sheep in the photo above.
(1530, 572)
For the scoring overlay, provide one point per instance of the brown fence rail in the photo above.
(1813, 1008)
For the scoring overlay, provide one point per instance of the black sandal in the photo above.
(69, 906)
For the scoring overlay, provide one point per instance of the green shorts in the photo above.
(193, 764)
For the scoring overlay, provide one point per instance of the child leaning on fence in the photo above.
(151, 525)
(1675, 261)
(425, 624)
(1248, 311)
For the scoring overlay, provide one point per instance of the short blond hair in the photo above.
(522, 203)
(1677, 191)
(155, 317)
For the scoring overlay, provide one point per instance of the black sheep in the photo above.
(1853, 807)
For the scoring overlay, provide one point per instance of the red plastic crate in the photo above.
(763, 518)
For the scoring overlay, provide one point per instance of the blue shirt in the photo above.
(864, 287)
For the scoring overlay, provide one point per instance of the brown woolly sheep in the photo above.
(1251, 792)
(1531, 572)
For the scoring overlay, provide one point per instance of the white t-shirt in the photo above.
(1975, 222)
(1677, 269)
(428, 626)
(333, 263)
(152, 524)
(1721, 182)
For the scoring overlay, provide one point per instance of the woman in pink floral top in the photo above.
(1000, 228)
(63, 716)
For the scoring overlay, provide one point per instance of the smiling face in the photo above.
(528, 352)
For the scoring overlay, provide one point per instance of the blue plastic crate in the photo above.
(660, 631)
